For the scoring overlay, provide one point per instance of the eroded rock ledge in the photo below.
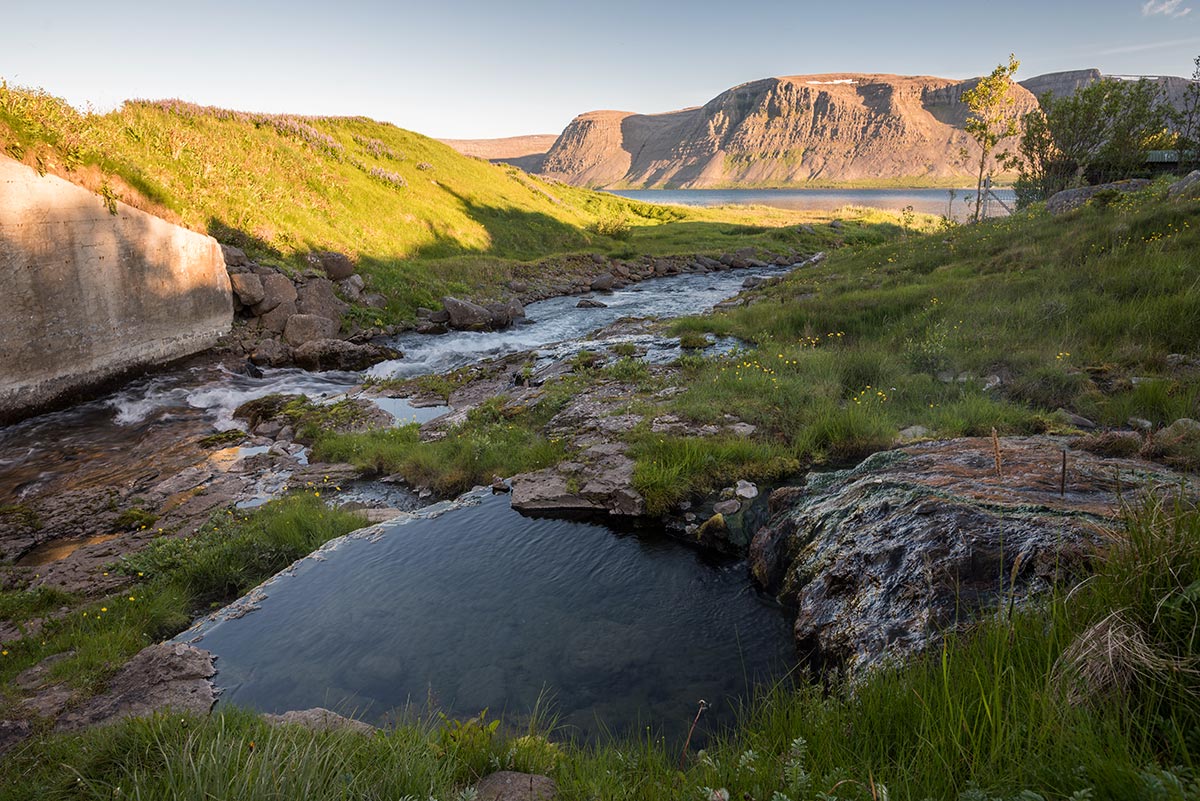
(880, 559)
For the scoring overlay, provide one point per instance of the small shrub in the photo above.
(614, 226)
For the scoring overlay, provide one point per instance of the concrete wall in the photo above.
(86, 295)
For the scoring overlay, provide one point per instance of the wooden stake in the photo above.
(996, 450)
(1062, 482)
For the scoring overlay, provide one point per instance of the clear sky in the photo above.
(486, 68)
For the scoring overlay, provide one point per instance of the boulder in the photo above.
(1070, 199)
(511, 786)
(248, 287)
(277, 289)
(168, 675)
(465, 315)
(335, 265)
(276, 319)
(352, 287)
(234, 257)
(603, 282)
(317, 297)
(878, 560)
(1189, 186)
(272, 352)
(302, 328)
(505, 314)
(588, 303)
(338, 354)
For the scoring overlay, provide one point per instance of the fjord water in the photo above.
(485, 608)
(923, 201)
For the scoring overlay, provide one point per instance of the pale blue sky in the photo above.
(473, 68)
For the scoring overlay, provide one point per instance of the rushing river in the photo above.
(478, 607)
(955, 204)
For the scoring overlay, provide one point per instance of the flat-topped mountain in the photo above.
(778, 131)
(526, 152)
(802, 129)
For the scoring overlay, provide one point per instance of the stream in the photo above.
(471, 608)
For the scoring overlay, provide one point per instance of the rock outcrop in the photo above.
(165, 676)
(1070, 199)
(778, 131)
(879, 560)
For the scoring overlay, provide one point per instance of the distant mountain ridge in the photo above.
(785, 131)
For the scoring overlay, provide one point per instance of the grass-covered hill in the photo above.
(420, 219)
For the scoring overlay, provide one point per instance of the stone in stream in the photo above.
(879, 560)
(465, 315)
(588, 303)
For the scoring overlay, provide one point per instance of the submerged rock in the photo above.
(880, 559)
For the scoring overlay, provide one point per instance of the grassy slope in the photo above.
(421, 219)
(1078, 313)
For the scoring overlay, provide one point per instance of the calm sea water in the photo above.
(924, 201)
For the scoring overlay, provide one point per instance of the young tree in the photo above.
(992, 118)
(1099, 133)
(1187, 123)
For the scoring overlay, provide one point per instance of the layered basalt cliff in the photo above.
(780, 131)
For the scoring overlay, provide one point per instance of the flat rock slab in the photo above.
(508, 785)
(320, 720)
(168, 675)
(881, 559)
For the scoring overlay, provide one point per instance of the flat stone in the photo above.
(165, 676)
(511, 786)
(746, 490)
(727, 507)
(320, 720)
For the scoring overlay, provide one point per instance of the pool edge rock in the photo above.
(880, 560)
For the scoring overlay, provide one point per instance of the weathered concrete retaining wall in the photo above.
(86, 295)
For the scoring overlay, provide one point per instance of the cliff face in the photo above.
(778, 131)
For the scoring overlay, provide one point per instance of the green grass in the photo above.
(170, 582)
(421, 220)
(495, 439)
(997, 713)
(1075, 312)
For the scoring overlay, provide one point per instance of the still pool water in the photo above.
(482, 607)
